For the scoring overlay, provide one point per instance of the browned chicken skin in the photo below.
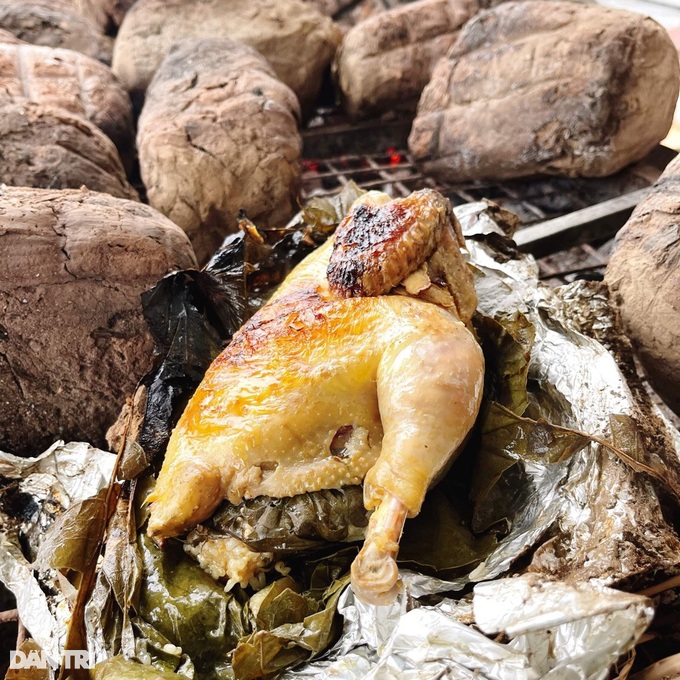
(399, 375)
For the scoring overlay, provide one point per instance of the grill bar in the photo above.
(594, 223)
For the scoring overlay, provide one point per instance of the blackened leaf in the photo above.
(223, 283)
(171, 304)
(296, 523)
(73, 540)
(187, 344)
(192, 315)
(506, 343)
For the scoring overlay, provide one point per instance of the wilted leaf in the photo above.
(119, 668)
(73, 539)
(506, 439)
(122, 568)
(296, 523)
(135, 459)
(76, 633)
(281, 602)
(440, 540)
(628, 444)
(506, 343)
(323, 573)
(527, 439)
(506, 220)
(184, 604)
(323, 214)
(499, 238)
(153, 648)
(265, 653)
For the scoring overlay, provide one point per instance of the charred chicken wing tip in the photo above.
(382, 241)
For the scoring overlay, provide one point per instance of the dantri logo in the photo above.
(74, 659)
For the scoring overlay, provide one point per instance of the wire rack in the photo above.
(375, 156)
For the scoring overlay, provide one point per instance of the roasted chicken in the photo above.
(361, 368)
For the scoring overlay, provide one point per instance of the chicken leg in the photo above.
(374, 571)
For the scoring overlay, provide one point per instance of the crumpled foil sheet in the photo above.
(558, 629)
(551, 626)
(54, 480)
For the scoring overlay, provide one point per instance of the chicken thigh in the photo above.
(360, 369)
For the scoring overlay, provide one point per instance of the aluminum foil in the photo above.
(557, 630)
(53, 481)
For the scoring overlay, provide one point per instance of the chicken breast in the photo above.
(335, 382)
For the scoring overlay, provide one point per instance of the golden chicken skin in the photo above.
(360, 369)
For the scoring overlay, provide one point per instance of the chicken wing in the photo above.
(336, 382)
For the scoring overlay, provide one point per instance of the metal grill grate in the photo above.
(375, 156)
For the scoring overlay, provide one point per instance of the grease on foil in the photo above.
(559, 620)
